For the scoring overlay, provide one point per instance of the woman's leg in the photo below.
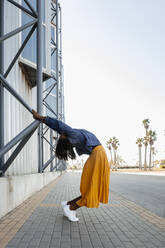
(74, 200)
(72, 203)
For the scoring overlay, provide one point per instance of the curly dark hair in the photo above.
(64, 149)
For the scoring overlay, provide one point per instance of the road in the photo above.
(147, 191)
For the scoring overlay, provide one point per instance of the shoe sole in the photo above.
(70, 219)
(74, 219)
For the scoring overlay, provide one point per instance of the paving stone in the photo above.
(75, 235)
(27, 238)
(116, 242)
(75, 242)
(160, 237)
(46, 238)
(85, 244)
(55, 241)
(129, 234)
(65, 239)
(104, 238)
(142, 238)
(22, 245)
(149, 245)
(55, 246)
(156, 242)
(34, 242)
(137, 242)
(65, 245)
(108, 245)
(95, 241)
(129, 245)
(43, 244)
(38, 234)
(123, 237)
(56, 234)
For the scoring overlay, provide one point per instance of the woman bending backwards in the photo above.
(94, 186)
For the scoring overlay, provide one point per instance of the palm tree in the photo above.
(151, 140)
(115, 145)
(145, 142)
(154, 152)
(146, 123)
(139, 143)
(109, 142)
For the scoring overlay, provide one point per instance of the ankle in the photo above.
(71, 207)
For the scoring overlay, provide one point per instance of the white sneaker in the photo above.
(64, 203)
(69, 213)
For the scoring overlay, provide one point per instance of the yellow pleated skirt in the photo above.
(94, 186)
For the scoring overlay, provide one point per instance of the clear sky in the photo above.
(114, 69)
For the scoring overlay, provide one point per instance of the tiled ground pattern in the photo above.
(119, 224)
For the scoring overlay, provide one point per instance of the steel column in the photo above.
(57, 69)
(1, 85)
(51, 150)
(60, 64)
(57, 65)
(39, 83)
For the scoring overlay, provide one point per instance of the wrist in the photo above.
(43, 118)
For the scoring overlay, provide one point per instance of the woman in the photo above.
(94, 186)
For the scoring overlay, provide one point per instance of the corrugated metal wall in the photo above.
(16, 116)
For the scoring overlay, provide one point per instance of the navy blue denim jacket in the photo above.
(81, 139)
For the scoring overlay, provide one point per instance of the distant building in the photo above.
(162, 164)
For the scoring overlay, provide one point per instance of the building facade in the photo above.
(31, 77)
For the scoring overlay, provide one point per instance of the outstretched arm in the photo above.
(53, 123)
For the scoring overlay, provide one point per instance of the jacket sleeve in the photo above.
(58, 125)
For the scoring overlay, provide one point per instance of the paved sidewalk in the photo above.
(39, 222)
